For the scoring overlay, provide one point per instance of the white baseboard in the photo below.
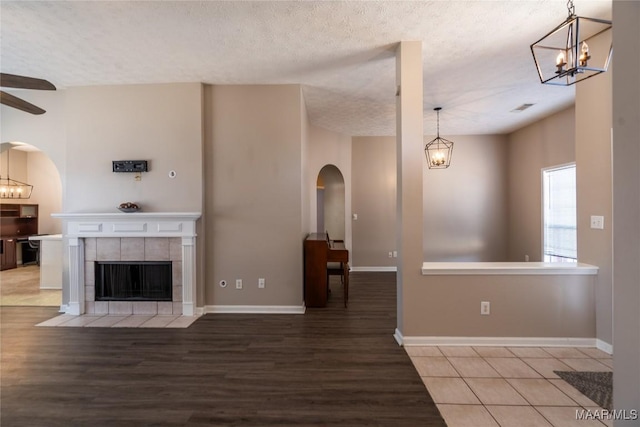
(255, 309)
(398, 337)
(63, 308)
(495, 341)
(604, 346)
(374, 269)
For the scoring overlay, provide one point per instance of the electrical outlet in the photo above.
(395, 254)
(390, 254)
(238, 283)
(485, 308)
(597, 222)
(261, 283)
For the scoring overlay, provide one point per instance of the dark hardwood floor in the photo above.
(331, 366)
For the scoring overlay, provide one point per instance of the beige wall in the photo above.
(253, 194)
(521, 306)
(374, 201)
(13, 163)
(158, 123)
(465, 205)
(305, 200)
(626, 208)
(594, 187)
(546, 143)
(329, 148)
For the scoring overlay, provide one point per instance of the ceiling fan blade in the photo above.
(22, 82)
(20, 104)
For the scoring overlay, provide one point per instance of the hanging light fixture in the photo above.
(569, 53)
(439, 150)
(13, 189)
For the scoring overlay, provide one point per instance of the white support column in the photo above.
(410, 153)
(188, 276)
(76, 276)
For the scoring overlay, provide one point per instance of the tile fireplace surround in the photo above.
(154, 236)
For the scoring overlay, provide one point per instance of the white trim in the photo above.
(374, 269)
(137, 224)
(542, 171)
(508, 268)
(63, 308)
(398, 337)
(255, 309)
(604, 346)
(496, 341)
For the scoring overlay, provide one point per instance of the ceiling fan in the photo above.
(22, 82)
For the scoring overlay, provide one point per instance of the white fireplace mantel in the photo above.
(137, 224)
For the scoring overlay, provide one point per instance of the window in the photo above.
(559, 214)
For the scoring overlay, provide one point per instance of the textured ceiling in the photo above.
(477, 61)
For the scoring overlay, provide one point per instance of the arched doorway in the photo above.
(24, 217)
(330, 192)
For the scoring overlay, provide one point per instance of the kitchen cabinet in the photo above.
(13, 210)
(8, 257)
(16, 221)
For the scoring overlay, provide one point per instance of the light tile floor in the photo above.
(111, 321)
(508, 386)
(21, 286)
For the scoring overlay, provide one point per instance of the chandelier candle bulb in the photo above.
(560, 62)
(584, 57)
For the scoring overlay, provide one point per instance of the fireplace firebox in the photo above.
(133, 281)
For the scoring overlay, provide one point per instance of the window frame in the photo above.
(542, 208)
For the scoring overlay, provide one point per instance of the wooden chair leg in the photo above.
(345, 273)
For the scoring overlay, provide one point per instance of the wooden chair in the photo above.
(336, 268)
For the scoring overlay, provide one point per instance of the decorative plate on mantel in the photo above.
(128, 207)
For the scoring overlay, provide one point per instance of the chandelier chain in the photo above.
(571, 8)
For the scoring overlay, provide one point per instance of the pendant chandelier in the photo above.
(439, 150)
(13, 189)
(569, 53)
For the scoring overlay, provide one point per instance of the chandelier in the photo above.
(13, 189)
(571, 52)
(439, 150)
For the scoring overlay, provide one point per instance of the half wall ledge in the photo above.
(507, 268)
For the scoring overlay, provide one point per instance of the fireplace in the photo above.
(139, 238)
(133, 281)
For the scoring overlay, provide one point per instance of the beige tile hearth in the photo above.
(121, 321)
